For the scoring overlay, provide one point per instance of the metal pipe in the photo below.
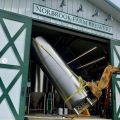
(89, 101)
(44, 103)
(29, 104)
(53, 102)
(41, 75)
(36, 79)
(76, 111)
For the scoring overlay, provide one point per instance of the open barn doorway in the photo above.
(85, 54)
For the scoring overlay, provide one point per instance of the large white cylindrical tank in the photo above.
(62, 78)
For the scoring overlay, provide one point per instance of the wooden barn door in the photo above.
(115, 61)
(15, 36)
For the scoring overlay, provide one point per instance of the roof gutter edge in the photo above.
(113, 5)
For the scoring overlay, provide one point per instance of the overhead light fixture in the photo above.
(95, 61)
(82, 55)
(96, 13)
(80, 8)
(63, 3)
(109, 17)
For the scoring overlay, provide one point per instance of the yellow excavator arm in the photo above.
(104, 81)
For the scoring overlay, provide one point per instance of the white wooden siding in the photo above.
(24, 7)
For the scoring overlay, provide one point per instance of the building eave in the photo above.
(113, 5)
(107, 7)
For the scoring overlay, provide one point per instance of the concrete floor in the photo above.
(56, 117)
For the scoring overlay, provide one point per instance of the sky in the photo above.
(116, 2)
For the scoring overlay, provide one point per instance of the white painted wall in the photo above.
(24, 7)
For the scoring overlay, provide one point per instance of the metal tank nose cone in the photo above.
(36, 97)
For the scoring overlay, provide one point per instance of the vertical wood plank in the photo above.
(8, 5)
(66, 11)
(98, 19)
(106, 23)
(58, 5)
(58, 8)
(109, 23)
(88, 13)
(22, 7)
(2, 4)
(54, 6)
(84, 15)
(15, 6)
(29, 8)
(118, 31)
(70, 6)
(114, 30)
(70, 10)
(65, 8)
(48, 4)
(93, 18)
(74, 11)
(101, 18)
(80, 13)
(33, 15)
(42, 2)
